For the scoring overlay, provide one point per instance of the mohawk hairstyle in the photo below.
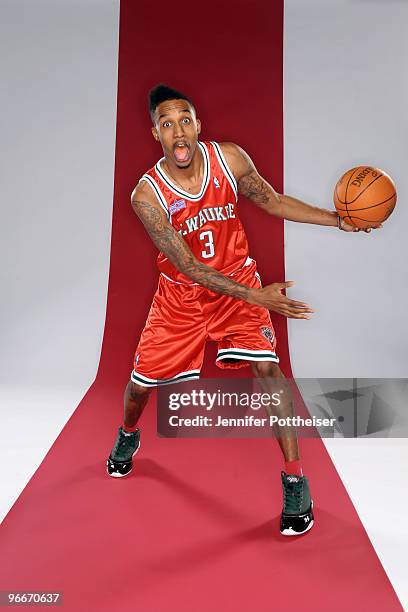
(160, 93)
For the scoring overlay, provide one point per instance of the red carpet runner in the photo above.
(195, 528)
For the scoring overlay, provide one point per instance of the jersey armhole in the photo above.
(225, 168)
(157, 191)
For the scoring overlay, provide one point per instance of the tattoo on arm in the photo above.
(167, 240)
(255, 188)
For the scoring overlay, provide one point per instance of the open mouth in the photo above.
(181, 151)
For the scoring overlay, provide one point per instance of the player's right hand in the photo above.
(272, 298)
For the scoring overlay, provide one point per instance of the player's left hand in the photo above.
(346, 227)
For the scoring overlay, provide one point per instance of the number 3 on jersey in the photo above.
(209, 251)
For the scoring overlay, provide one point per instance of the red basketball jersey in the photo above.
(208, 221)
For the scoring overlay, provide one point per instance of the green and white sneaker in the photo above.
(120, 460)
(297, 514)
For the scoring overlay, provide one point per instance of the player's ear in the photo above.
(155, 134)
(198, 126)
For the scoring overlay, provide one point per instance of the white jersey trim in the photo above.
(157, 191)
(225, 167)
(180, 192)
(248, 262)
(178, 282)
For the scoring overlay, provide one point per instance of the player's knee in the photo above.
(135, 390)
(266, 369)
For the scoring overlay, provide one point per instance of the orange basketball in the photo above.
(365, 196)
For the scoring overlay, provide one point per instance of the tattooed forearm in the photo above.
(255, 188)
(174, 247)
(215, 281)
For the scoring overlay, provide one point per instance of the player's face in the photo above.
(177, 128)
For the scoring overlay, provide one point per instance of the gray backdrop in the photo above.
(58, 63)
(346, 95)
(58, 66)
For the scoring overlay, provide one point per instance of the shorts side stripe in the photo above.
(247, 355)
(246, 351)
(144, 381)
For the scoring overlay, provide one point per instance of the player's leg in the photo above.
(246, 336)
(134, 400)
(273, 381)
(127, 443)
(297, 513)
(170, 349)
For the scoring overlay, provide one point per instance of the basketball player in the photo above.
(208, 286)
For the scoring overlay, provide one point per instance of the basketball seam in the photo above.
(365, 188)
(362, 219)
(337, 184)
(348, 183)
(345, 195)
(374, 205)
(338, 197)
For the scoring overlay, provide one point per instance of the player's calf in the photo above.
(135, 399)
(266, 369)
(127, 443)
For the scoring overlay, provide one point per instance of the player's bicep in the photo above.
(254, 187)
(162, 233)
(250, 183)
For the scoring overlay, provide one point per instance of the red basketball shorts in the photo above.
(183, 317)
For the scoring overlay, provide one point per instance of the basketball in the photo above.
(365, 196)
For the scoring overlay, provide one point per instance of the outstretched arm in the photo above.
(169, 241)
(254, 187)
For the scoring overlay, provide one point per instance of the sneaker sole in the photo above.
(118, 474)
(292, 532)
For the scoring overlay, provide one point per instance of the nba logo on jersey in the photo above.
(176, 206)
(216, 182)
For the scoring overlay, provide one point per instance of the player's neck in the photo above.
(188, 177)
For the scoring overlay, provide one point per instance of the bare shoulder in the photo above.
(147, 206)
(231, 149)
(237, 159)
(143, 193)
